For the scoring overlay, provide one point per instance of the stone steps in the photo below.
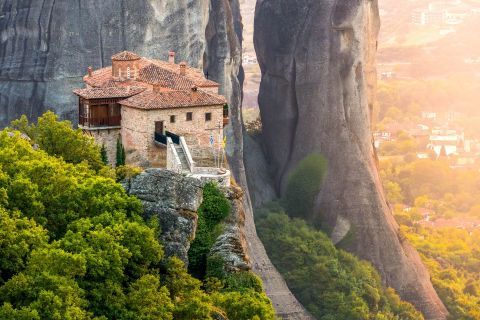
(182, 157)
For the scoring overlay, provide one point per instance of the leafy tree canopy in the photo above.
(330, 283)
(74, 245)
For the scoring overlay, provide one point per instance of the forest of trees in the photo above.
(452, 255)
(74, 245)
(402, 101)
(453, 258)
(431, 184)
(331, 283)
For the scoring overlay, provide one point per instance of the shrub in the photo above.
(303, 186)
(126, 172)
(120, 155)
(215, 207)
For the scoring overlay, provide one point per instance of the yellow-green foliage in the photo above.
(453, 258)
(330, 283)
(73, 244)
(432, 184)
(58, 139)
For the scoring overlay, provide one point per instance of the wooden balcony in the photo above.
(100, 122)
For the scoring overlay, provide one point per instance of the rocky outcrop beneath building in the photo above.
(316, 96)
(174, 200)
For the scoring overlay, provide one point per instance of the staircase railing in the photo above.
(173, 160)
(175, 138)
(160, 138)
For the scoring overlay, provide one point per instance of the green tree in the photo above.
(148, 300)
(58, 139)
(192, 302)
(103, 154)
(120, 156)
(303, 186)
(74, 245)
(245, 306)
(18, 237)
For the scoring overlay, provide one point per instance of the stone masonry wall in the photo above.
(108, 138)
(138, 131)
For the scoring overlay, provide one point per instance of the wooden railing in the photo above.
(112, 121)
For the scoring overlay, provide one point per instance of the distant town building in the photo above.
(381, 136)
(447, 141)
(420, 17)
(248, 59)
(428, 115)
(442, 13)
(387, 75)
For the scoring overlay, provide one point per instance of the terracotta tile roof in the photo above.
(108, 92)
(151, 100)
(193, 74)
(151, 72)
(125, 56)
(99, 77)
(156, 75)
(103, 78)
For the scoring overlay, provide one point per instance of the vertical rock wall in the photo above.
(318, 76)
(223, 60)
(46, 45)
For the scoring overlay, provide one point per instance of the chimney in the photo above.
(194, 92)
(183, 68)
(90, 71)
(171, 57)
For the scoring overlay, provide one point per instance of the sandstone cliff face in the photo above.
(46, 46)
(317, 61)
(226, 28)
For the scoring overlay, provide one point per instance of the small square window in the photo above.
(172, 119)
(208, 116)
(189, 116)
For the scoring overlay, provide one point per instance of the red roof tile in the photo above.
(108, 92)
(156, 75)
(193, 74)
(125, 56)
(150, 100)
(151, 72)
